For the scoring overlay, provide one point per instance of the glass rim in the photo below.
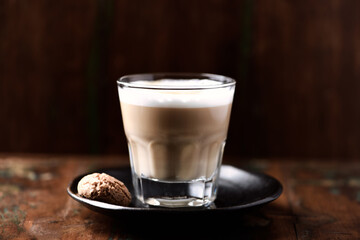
(128, 80)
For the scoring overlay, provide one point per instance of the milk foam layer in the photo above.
(179, 93)
(179, 83)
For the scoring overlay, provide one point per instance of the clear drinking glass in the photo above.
(176, 126)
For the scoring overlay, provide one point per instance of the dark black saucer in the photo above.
(238, 190)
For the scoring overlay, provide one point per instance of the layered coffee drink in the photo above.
(176, 131)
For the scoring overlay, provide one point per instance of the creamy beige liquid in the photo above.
(176, 132)
(176, 143)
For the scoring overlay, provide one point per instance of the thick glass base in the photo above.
(175, 194)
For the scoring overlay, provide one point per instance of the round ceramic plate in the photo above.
(238, 190)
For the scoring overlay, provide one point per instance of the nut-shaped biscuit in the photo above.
(105, 188)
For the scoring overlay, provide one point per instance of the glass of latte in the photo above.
(176, 126)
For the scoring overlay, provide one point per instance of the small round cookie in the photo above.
(105, 188)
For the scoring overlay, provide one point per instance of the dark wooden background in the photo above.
(297, 64)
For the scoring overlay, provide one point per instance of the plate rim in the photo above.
(112, 207)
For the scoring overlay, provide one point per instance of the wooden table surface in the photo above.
(321, 200)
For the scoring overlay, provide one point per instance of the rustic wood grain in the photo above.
(321, 200)
(297, 64)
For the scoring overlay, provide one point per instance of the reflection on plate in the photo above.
(238, 190)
